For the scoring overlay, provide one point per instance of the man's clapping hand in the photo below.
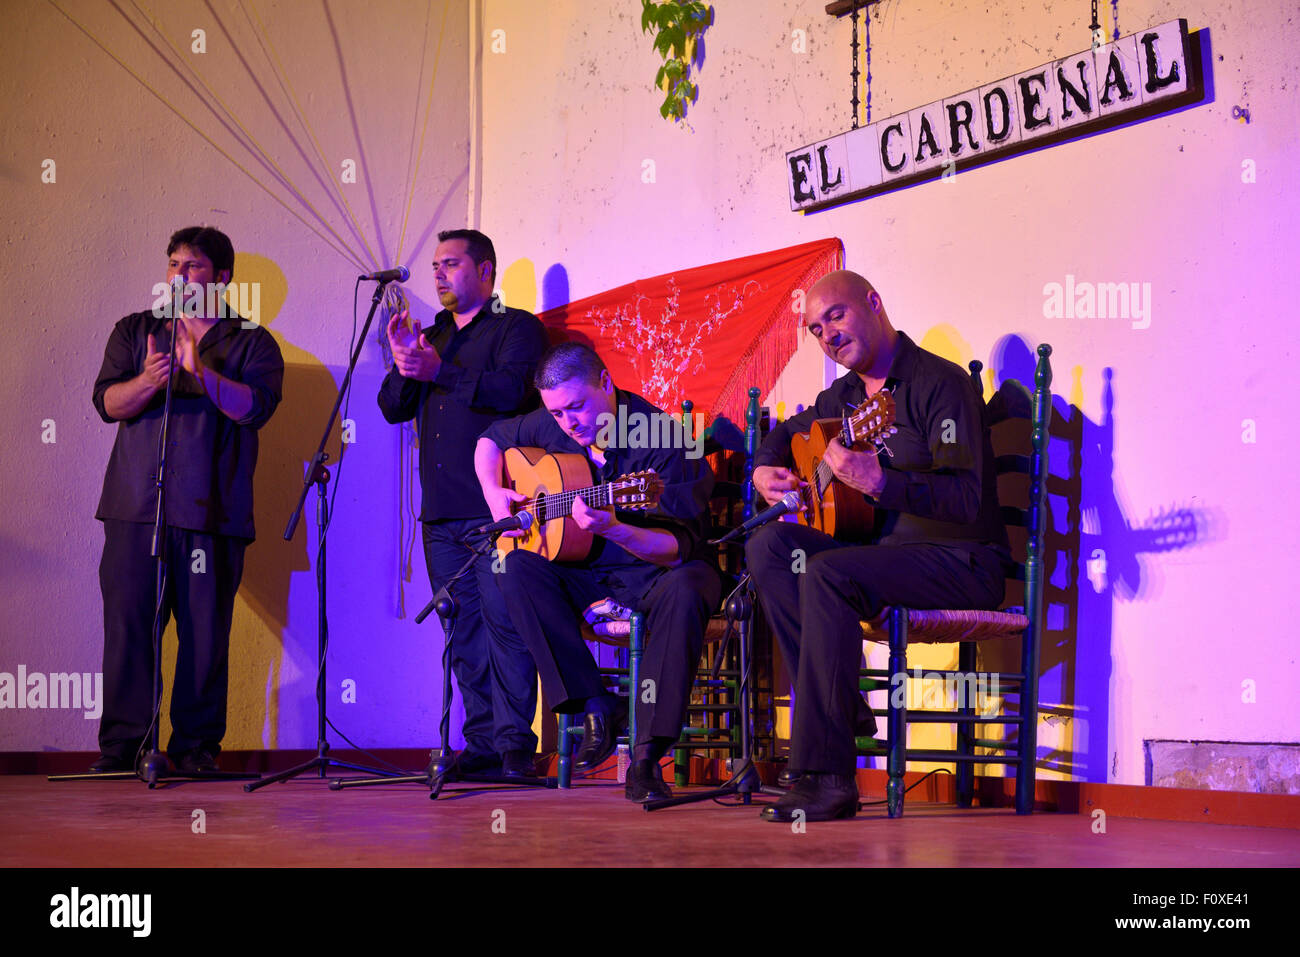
(155, 366)
(412, 354)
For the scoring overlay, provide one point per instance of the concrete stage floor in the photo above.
(301, 823)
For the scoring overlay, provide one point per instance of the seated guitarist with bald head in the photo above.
(656, 561)
(933, 537)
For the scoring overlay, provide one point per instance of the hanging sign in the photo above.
(1144, 73)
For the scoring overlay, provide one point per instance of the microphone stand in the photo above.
(744, 779)
(442, 764)
(153, 767)
(319, 476)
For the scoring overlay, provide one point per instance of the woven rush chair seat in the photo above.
(937, 626)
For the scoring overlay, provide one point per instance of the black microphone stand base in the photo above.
(744, 781)
(442, 770)
(321, 763)
(153, 769)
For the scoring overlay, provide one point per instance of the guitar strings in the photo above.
(552, 502)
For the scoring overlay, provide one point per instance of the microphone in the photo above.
(519, 522)
(396, 274)
(789, 503)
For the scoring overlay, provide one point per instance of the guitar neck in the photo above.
(561, 503)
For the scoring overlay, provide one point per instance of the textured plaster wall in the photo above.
(289, 94)
(1161, 627)
(1171, 566)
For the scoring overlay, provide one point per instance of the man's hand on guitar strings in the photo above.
(773, 482)
(499, 501)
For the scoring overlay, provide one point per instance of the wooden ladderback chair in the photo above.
(1018, 424)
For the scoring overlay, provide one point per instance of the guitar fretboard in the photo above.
(559, 504)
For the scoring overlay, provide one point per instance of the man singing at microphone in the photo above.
(473, 366)
(226, 385)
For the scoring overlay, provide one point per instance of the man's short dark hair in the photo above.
(479, 246)
(213, 243)
(568, 360)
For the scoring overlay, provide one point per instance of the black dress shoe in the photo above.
(599, 737)
(518, 764)
(788, 778)
(821, 797)
(645, 782)
(112, 762)
(198, 761)
(478, 762)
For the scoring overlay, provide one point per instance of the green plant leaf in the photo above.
(662, 42)
(679, 40)
(673, 68)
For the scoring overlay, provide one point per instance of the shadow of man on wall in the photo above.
(258, 669)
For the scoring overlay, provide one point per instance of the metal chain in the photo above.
(1114, 12)
(1094, 28)
(867, 24)
(854, 74)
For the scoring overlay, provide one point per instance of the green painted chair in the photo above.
(1018, 424)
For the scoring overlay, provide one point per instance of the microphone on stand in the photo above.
(396, 274)
(790, 502)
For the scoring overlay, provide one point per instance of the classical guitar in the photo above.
(552, 480)
(830, 505)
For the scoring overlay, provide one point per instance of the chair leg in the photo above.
(1027, 746)
(565, 773)
(965, 731)
(636, 648)
(897, 718)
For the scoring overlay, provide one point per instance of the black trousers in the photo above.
(815, 592)
(202, 577)
(546, 600)
(494, 672)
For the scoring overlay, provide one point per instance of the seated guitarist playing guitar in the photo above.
(936, 539)
(657, 561)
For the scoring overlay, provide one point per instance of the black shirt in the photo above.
(209, 480)
(486, 374)
(682, 509)
(940, 483)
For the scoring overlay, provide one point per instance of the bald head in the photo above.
(843, 283)
(844, 312)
